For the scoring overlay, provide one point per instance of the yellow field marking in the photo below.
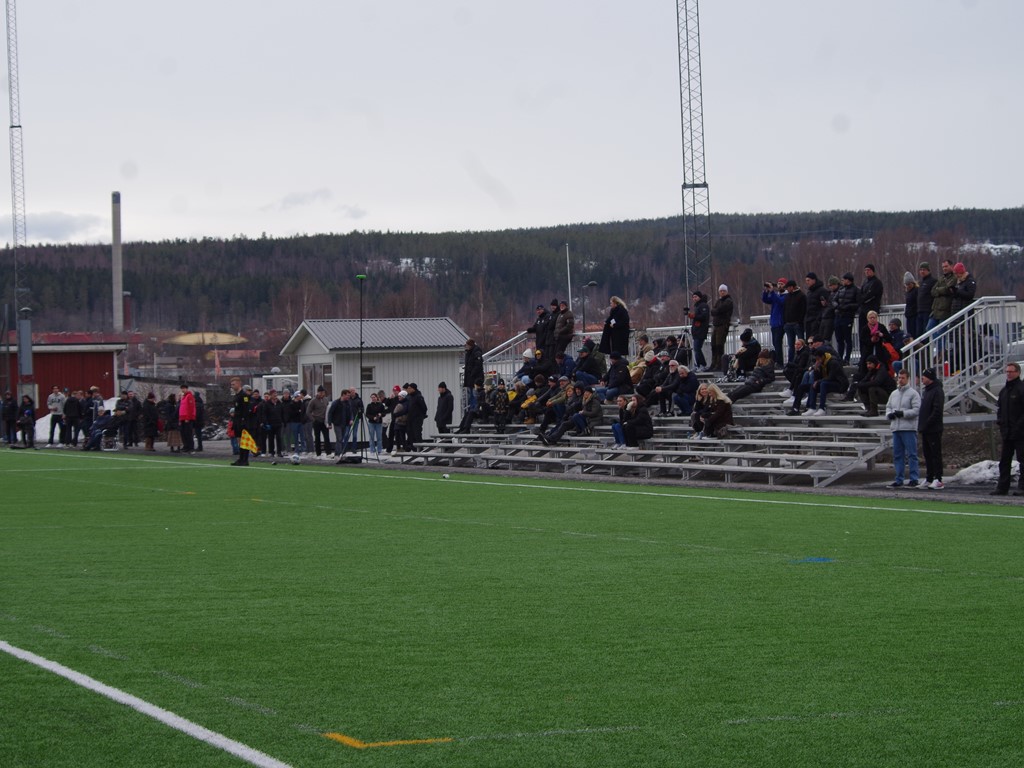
(348, 741)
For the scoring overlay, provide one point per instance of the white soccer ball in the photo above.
(445, 476)
(296, 459)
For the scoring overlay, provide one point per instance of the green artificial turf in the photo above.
(527, 623)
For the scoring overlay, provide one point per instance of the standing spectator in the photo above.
(418, 413)
(700, 321)
(721, 317)
(847, 301)
(775, 297)
(964, 290)
(294, 416)
(501, 407)
(929, 424)
(565, 327)
(816, 291)
(924, 297)
(472, 374)
(1010, 418)
(271, 414)
(200, 417)
(55, 405)
(828, 310)
(445, 408)
(615, 335)
(72, 418)
(10, 417)
(375, 413)
(339, 416)
(27, 421)
(793, 312)
(187, 419)
(543, 327)
(149, 417)
(910, 304)
(902, 411)
(942, 295)
(316, 411)
(871, 291)
(400, 420)
(172, 432)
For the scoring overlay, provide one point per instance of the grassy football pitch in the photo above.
(329, 616)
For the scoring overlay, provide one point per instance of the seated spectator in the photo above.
(795, 369)
(686, 393)
(876, 386)
(587, 369)
(654, 374)
(634, 422)
(617, 380)
(529, 364)
(747, 354)
(666, 390)
(584, 420)
(828, 377)
(712, 414)
(760, 377)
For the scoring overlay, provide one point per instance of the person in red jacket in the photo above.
(187, 419)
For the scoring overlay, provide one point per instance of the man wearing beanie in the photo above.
(445, 408)
(829, 306)
(812, 314)
(793, 312)
(700, 321)
(929, 424)
(721, 316)
(910, 305)
(847, 302)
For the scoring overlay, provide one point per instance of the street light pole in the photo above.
(359, 434)
(568, 275)
(591, 284)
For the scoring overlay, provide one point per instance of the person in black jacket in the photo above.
(617, 380)
(871, 291)
(847, 301)
(615, 335)
(700, 321)
(1010, 418)
(72, 418)
(721, 317)
(924, 297)
(874, 388)
(816, 291)
(417, 414)
(794, 309)
(445, 408)
(149, 418)
(929, 424)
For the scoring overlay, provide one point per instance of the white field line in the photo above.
(196, 731)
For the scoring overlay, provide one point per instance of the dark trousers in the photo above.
(931, 446)
(321, 438)
(844, 337)
(1010, 447)
(188, 443)
(698, 348)
(778, 338)
(792, 331)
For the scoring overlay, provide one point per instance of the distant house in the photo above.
(67, 360)
(425, 350)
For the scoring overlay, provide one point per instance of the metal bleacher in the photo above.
(765, 446)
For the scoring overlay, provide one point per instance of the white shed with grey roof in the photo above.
(424, 350)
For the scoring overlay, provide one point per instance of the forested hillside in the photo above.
(489, 281)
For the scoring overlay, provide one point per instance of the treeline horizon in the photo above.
(489, 281)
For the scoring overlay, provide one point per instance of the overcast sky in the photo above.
(221, 118)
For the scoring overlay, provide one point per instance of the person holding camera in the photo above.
(902, 410)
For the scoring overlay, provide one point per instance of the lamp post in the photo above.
(359, 433)
(591, 284)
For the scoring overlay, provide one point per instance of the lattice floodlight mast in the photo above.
(17, 153)
(696, 207)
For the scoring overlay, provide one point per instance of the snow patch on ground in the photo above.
(984, 472)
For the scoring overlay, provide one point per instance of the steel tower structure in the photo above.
(696, 206)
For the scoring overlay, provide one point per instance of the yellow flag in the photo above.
(246, 443)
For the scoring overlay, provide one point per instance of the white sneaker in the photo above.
(819, 412)
(787, 393)
(937, 485)
(789, 403)
(924, 486)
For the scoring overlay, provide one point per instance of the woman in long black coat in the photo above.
(615, 336)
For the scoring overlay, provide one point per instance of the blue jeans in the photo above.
(298, 436)
(904, 453)
(818, 395)
(620, 436)
(375, 430)
(698, 349)
(685, 402)
(586, 378)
